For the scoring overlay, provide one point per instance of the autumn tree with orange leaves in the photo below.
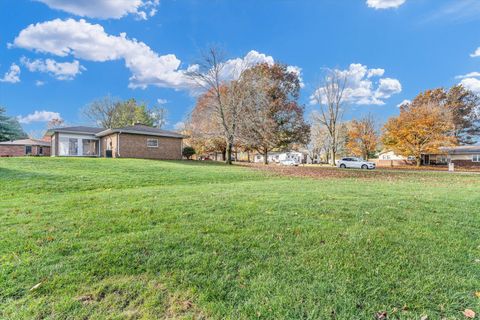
(422, 127)
(203, 129)
(362, 137)
(272, 118)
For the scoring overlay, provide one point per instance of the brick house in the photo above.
(24, 147)
(462, 156)
(137, 141)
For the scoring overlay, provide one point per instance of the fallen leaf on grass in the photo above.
(86, 298)
(477, 294)
(382, 315)
(469, 313)
(424, 317)
(36, 286)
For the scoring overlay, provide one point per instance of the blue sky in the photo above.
(58, 55)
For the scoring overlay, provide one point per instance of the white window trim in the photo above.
(63, 137)
(476, 156)
(149, 140)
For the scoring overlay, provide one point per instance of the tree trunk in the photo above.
(334, 153)
(229, 153)
(224, 155)
(248, 156)
(419, 161)
(265, 156)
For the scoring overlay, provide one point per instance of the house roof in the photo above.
(77, 129)
(26, 142)
(141, 129)
(461, 149)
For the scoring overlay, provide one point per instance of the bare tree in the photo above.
(318, 146)
(159, 116)
(330, 97)
(101, 111)
(212, 76)
(55, 123)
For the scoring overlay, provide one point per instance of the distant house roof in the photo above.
(141, 129)
(26, 142)
(77, 129)
(101, 132)
(461, 149)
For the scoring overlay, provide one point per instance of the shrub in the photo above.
(188, 152)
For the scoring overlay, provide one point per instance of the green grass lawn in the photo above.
(138, 239)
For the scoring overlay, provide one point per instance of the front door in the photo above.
(426, 159)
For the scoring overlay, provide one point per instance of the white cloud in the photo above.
(87, 41)
(375, 73)
(476, 53)
(83, 40)
(403, 103)
(12, 75)
(387, 88)
(162, 101)
(39, 83)
(60, 70)
(232, 68)
(385, 4)
(469, 75)
(298, 71)
(361, 87)
(39, 116)
(471, 84)
(105, 9)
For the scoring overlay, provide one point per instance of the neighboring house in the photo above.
(391, 159)
(462, 156)
(137, 141)
(24, 147)
(277, 157)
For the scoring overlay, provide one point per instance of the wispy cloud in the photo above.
(12, 75)
(39, 116)
(457, 11)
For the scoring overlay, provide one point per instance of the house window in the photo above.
(152, 143)
(72, 147)
(40, 150)
(476, 158)
(28, 149)
(442, 159)
(89, 147)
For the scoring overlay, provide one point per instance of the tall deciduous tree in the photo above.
(101, 111)
(362, 137)
(271, 117)
(422, 127)
(129, 112)
(109, 112)
(159, 116)
(10, 128)
(203, 128)
(463, 105)
(55, 123)
(330, 98)
(226, 96)
(465, 108)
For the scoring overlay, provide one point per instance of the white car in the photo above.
(357, 163)
(289, 163)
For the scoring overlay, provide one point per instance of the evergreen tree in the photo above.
(10, 128)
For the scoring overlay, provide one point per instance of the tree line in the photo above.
(259, 111)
